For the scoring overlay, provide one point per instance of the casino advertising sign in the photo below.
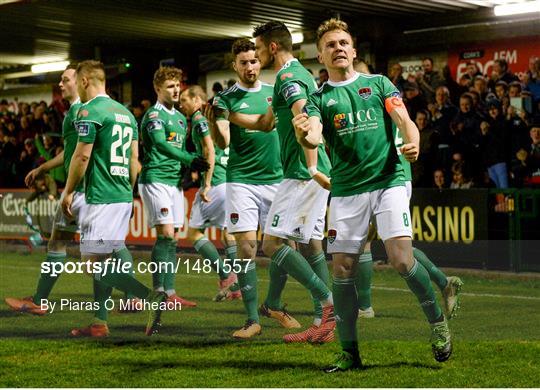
(451, 224)
(516, 52)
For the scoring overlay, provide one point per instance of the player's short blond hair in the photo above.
(92, 69)
(196, 90)
(165, 73)
(331, 25)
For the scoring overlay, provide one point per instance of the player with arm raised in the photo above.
(106, 157)
(208, 207)
(299, 208)
(164, 131)
(253, 175)
(367, 180)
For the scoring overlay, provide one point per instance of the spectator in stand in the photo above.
(216, 88)
(138, 113)
(146, 104)
(500, 72)
(478, 104)
(323, 76)
(396, 76)
(514, 89)
(429, 80)
(429, 140)
(24, 129)
(531, 80)
(439, 181)
(456, 90)
(442, 114)
(526, 165)
(472, 71)
(465, 130)
(47, 150)
(480, 86)
(27, 161)
(460, 179)
(494, 145)
(230, 83)
(501, 90)
(414, 101)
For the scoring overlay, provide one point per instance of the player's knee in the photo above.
(247, 248)
(400, 263)
(342, 271)
(193, 234)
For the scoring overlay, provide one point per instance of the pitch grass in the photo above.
(496, 339)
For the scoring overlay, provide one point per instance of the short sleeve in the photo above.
(388, 88)
(87, 131)
(292, 91)
(313, 104)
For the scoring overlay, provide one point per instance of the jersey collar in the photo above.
(95, 97)
(345, 82)
(288, 63)
(162, 107)
(257, 88)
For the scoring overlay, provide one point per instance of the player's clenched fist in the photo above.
(301, 125)
(410, 152)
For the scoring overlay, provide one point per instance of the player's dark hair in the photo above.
(165, 73)
(242, 45)
(92, 69)
(274, 31)
(196, 90)
(331, 25)
(428, 59)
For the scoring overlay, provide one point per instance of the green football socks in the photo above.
(364, 275)
(46, 280)
(346, 311)
(207, 250)
(247, 279)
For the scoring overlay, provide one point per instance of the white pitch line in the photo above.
(374, 286)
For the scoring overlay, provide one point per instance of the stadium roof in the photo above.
(40, 31)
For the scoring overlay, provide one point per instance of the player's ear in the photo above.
(234, 65)
(354, 53)
(273, 47)
(319, 58)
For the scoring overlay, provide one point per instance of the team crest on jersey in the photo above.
(269, 99)
(83, 113)
(164, 211)
(286, 76)
(365, 93)
(340, 121)
(83, 129)
(153, 115)
(172, 136)
(234, 218)
(332, 234)
(181, 123)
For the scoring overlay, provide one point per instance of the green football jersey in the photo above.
(171, 124)
(404, 163)
(254, 156)
(359, 132)
(199, 130)
(110, 127)
(70, 136)
(294, 82)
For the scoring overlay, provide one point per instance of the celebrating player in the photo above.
(253, 173)
(106, 157)
(164, 131)
(299, 207)
(355, 113)
(208, 207)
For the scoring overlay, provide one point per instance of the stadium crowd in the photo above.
(478, 131)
